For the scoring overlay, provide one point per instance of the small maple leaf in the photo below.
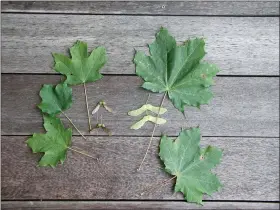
(55, 99)
(177, 70)
(190, 164)
(81, 68)
(54, 143)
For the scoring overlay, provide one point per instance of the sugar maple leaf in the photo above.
(81, 67)
(54, 143)
(190, 164)
(177, 70)
(55, 99)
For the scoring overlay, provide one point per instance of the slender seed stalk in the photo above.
(74, 125)
(82, 152)
(162, 183)
(151, 139)
(89, 123)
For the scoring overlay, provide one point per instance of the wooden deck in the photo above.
(242, 119)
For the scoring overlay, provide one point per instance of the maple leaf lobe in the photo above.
(55, 99)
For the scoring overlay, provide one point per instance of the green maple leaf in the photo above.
(177, 70)
(55, 99)
(190, 164)
(81, 68)
(54, 143)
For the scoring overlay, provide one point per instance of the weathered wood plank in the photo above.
(247, 8)
(241, 106)
(151, 205)
(240, 45)
(249, 170)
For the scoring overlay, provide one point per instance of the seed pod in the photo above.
(95, 109)
(108, 108)
(103, 127)
(156, 109)
(158, 121)
(146, 107)
(140, 123)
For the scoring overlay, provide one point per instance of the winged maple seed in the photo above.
(140, 123)
(103, 127)
(103, 104)
(147, 107)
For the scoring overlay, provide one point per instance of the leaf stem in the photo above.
(162, 183)
(81, 152)
(85, 91)
(151, 139)
(74, 125)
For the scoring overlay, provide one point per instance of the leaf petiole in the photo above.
(73, 125)
(162, 183)
(82, 152)
(86, 98)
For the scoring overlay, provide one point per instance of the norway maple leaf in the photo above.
(81, 67)
(177, 70)
(54, 143)
(55, 99)
(190, 164)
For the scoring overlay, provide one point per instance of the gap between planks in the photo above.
(134, 205)
(254, 42)
(247, 165)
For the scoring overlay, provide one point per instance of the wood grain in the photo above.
(240, 107)
(239, 45)
(247, 8)
(151, 205)
(249, 170)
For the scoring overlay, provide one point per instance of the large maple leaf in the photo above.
(177, 70)
(54, 143)
(190, 164)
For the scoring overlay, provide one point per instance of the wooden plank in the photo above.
(249, 170)
(233, 111)
(133, 205)
(240, 45)
(241, 106)
(248, 8)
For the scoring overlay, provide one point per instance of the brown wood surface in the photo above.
(249, 170)
(238, 45)
(232, 112)
(151, 205)
(243, 118)
(248, 8)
